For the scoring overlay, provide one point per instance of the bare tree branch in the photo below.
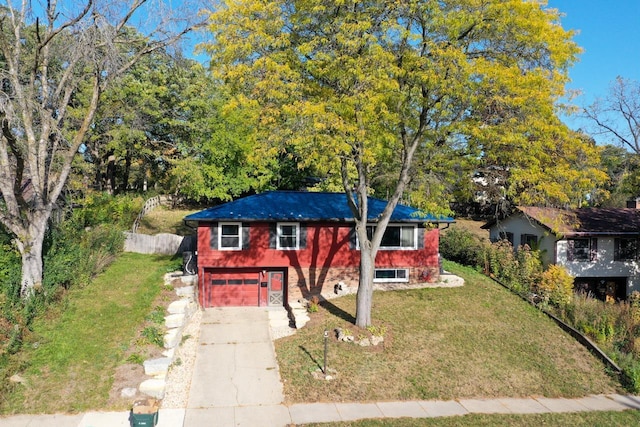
(56, 62)
(618, 114)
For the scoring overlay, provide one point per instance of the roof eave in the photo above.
(342, 220)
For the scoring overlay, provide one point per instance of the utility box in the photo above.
(144, 413)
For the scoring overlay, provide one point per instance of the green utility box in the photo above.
(144, 413)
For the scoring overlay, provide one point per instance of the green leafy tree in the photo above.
(141, 123)
(56, 60)
(623, 171)
(355, 85)
(217, 157)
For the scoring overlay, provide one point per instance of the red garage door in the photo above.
(232, 289)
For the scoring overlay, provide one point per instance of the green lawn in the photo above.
(72, 354)
(585, 419)
(476, 341)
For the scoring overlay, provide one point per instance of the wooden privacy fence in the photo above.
(163, 243)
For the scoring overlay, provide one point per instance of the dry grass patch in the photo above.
(470, 225)
(475, 341)
(165, 220)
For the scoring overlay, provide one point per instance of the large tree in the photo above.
(142, 121)
(56, 59)
(353, 85)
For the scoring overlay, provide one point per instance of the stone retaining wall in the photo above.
(178, 314)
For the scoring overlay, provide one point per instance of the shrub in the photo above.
(502, 263)
(631, 368)
(519, 270)
(463, 247)
(529, 269)
(313, 305)
(555, 286)
(73, 256)
(102, 208)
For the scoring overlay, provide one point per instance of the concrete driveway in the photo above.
(235, 379)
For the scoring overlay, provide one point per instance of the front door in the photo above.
(276, 288)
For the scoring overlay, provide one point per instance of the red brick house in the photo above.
(278, 246)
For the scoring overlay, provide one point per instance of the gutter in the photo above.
(600, 233)
(189, 223)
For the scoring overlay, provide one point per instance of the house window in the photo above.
(391, 275)
(582, 249)
(626, 249)
(288, 236)
(504, 235)
(229, 236)
(530, 240)
(397, 237)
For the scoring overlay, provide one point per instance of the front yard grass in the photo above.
(585, 419)
(476, 341)
(69, 361)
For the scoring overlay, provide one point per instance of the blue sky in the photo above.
(609, 33)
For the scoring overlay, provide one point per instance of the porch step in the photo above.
(279, 323)
(300, 315)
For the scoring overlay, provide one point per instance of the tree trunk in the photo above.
(364, 299)
(126, 173)
(30, 247)
(111, 174)
(31, 269)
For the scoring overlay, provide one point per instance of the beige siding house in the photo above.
(599, 247)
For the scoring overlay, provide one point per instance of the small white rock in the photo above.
(128, 392)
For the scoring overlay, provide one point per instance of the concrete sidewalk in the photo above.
(281, 415)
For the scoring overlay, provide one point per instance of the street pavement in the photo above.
(236, 383)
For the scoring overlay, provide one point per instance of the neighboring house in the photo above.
(279, 246)
(600, 247)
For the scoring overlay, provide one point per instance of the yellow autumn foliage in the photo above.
(556, 286)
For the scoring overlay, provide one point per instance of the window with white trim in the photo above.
(391, 275)
(397, 236)
(229, 236)
(288, 235)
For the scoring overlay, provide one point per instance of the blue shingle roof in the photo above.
(304, 206)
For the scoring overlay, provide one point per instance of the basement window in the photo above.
(391, 275)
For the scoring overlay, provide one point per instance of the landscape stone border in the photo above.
(178, 315)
